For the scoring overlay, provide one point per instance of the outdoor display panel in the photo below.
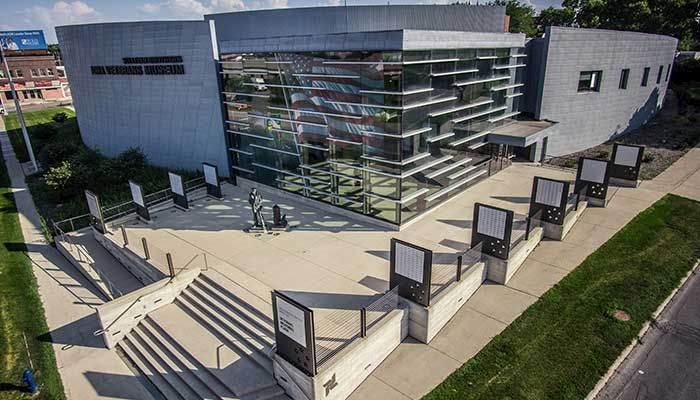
(211, 179)
(178, 189)
(23, 40)
(492, 229)
(626, 161)
(593, 176)
(96, 219)
(411, 270)
(548, 200)
(294, 332)
(139, 202)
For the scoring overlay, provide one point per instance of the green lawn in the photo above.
(20, 310)
(560, 347)
(34, 121)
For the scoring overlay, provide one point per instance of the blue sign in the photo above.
(23, 40)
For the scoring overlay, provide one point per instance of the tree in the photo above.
(522, 16)
(677, 18)
(552, 16)
(55, 51)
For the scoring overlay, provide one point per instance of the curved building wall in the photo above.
(590, 118)
(175, 120)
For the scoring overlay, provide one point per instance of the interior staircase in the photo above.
(213, 342)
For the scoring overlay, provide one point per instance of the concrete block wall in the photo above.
(587, 119)
(174, 119)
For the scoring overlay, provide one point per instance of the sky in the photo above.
(47, 14)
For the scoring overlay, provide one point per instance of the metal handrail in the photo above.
(90, 261)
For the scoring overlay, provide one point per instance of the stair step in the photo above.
(185, 360)
(155, 378)
(254, 304)
(255, 328)
(272, 393)
(233, 335)
(214, 349)
(182, 390)
(171, 362)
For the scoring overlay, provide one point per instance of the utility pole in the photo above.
(18, 109)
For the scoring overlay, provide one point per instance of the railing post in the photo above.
(459, 268)
(146, 254)
(363, 322)
(527, 229)
(206, 263)
(72, 227)
(126, 238)
(171, 268)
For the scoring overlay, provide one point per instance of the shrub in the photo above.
(129, 164)
(603, 154)
(54, 152)
(648, 157)
(60, 180)
(60, 117)
(44, 132)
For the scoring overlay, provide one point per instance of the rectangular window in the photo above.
(49, 71)
(2, 73)
(34, 72)
(624, 76)
(668, 72)
(645, 77)
(589, 81)
(61, 73)
(660, 74)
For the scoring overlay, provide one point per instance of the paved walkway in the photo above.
(69, 301)
(494, 306)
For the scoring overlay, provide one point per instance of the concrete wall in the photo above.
(587, 119)
(174, 119)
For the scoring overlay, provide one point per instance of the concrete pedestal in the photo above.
(558, 232)
(624, 182)
(500, 271)
(426, 322)
(337, 380)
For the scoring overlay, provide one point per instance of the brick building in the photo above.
(36, 76)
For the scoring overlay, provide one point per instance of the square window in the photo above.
(645, 77)
(589, 81)
(624, 77)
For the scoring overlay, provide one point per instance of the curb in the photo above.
(645, 328)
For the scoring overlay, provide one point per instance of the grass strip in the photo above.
(561, 346)
(21, 310)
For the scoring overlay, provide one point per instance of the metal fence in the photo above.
(336, 330)
(445, 274)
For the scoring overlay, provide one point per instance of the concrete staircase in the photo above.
(108, 275)
(211, 343)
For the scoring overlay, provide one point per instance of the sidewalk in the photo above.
(493, 307)
(69, 301)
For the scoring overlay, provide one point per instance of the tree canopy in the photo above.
(677, 18)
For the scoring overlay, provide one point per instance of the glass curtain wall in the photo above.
(387, 134)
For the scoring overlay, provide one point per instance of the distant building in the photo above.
(386, 111)
(33, 69)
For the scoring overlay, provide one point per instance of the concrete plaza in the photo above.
(351, 258)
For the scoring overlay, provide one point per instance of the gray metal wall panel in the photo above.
(587, 119)
(329, 20)
(175, 120)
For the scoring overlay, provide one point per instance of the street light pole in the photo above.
(18, 108)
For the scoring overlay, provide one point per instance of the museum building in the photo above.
(385, 111)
